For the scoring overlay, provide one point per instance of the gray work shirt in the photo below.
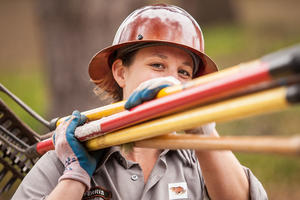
(176, 175)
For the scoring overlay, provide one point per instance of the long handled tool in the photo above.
(289, 63)
(45, 145)
(262, 102)
(94, 129)
(257, 144)
(219, 84)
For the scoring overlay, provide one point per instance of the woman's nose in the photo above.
(173, 73)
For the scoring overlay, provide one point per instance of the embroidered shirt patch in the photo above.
(97, 193)
(178, 190)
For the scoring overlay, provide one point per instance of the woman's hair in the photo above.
(117, 94)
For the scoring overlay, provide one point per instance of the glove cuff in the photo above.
(209, 129)
(206, 129)
(77, 174)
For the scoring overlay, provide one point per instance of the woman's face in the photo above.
(153, 62)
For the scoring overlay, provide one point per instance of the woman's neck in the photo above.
(145, 157)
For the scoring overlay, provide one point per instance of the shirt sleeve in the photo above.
(41, 179)
(257, 191)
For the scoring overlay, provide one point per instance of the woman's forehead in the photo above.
(165, 52)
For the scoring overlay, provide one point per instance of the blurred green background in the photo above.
(260, 27)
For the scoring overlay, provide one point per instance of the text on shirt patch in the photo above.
(97, 193)
(177, 190)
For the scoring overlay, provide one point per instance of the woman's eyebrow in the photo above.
(187, 63)
(160, 55)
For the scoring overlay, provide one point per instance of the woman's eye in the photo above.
(184, 73)
(157, 65)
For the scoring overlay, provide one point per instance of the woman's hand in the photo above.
(79, 164)
(148, 90)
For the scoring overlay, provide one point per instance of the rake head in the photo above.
(15, 137)
(15, 140)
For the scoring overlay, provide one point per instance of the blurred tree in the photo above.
(207, 11)
(72, 32)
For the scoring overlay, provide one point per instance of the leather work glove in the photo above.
(148, 90)
(79, 164)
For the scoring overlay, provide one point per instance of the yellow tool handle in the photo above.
(262, 102)
(257, 144)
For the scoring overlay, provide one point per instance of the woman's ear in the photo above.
(118, 71)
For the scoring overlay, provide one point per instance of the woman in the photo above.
(156, 46)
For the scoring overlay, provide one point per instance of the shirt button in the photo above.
(134, 177)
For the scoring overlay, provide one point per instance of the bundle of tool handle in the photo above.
(268, 84)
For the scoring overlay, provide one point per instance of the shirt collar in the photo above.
(106, 154)
(115, 151)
